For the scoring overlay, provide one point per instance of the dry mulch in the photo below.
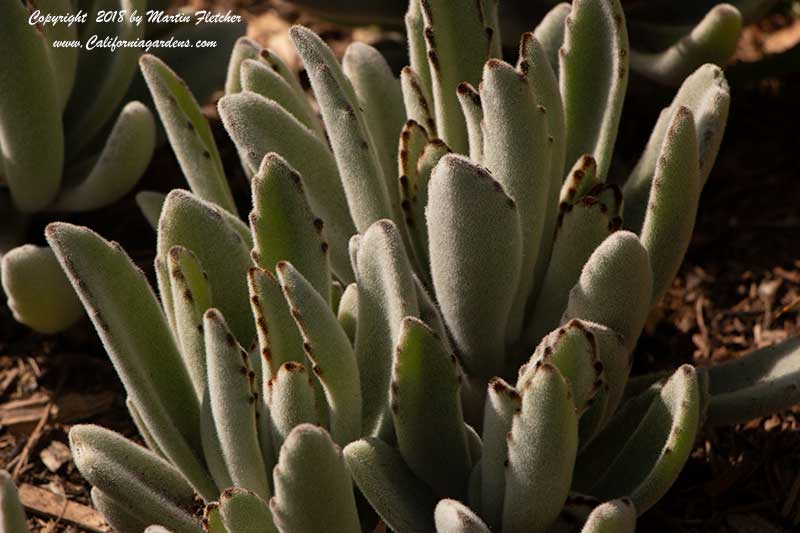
(739, 288)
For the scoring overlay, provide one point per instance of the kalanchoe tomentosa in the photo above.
(409, 345)
(59, 151)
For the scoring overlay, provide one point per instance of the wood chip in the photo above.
(44, 503)
(55, 455)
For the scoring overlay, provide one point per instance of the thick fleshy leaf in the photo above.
(118, 514)
(189, 133)
(151, 488)
(616, 516)
(347, 313)
(283, 226)
(279, 338)
(39, 293)
(418, 105)
(313, 491)
(517, 152)
(707, 95)
(243, 49)
(433, 151)
(259, 126)
(291, 401)
(452, 516)
(418, 54)
(353, 146)
(538, 477)
(12, 515)
(119, 166)
(426, 409)
(502, 403)
(581, 178)
(614, 287)
(472, 107)
(594, 77)
(756, 384)
(386, 295)
(233, 398)
(550, 33)
(381, 99)
(713, 40)
(259, 77)
(135, 334)
(672, 206)
(413, 140)
(216, 241)
(191, 296)
(243, 511)
(147, 437)
(580, 230)
(534, 64)
(30, 112)
(327, 347)
(150, 203)
(475, 248)
(661, 426)
(401, 499)
(458, 45)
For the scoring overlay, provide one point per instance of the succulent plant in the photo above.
(400, 358)
(667, 43)
(60, 152)
(12, 515)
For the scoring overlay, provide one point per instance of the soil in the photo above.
(738, 288)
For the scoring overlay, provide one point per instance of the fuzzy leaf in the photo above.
(355, 149)
(661, 429)
(189, 133)
(260, 126)
(756, 384)
(243, 49)
(518, 153)
(550, 33)
(313, 491)
(401, 499)
(135, 334)
(231, 390)
(712, 40)
(534, 64)
(707, 95)
(475, 249)
(581, 179)
(386, 295)
(150, 203)
(472, 107)
(433, 151)
(413, 140)
(452, 516)
(418, 104)
(426, 409)
(457, 45)
(418, 55)
(594, 77)
(538, 477)
(614, 287)
(122, 162)
(581, 228)
(214, 238)
(191, 296)
(502, 403)
(291, 401)
(278, 337)
(381, 100)
(119, 516)
(283, 226)
(327, 347)
(39, 293)
(151, 488)
(12, 515)
(261, 78)
(616, 516)
(151, 443)
(672, 206)
(32, 148)
(347, 313)
(243, 511)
